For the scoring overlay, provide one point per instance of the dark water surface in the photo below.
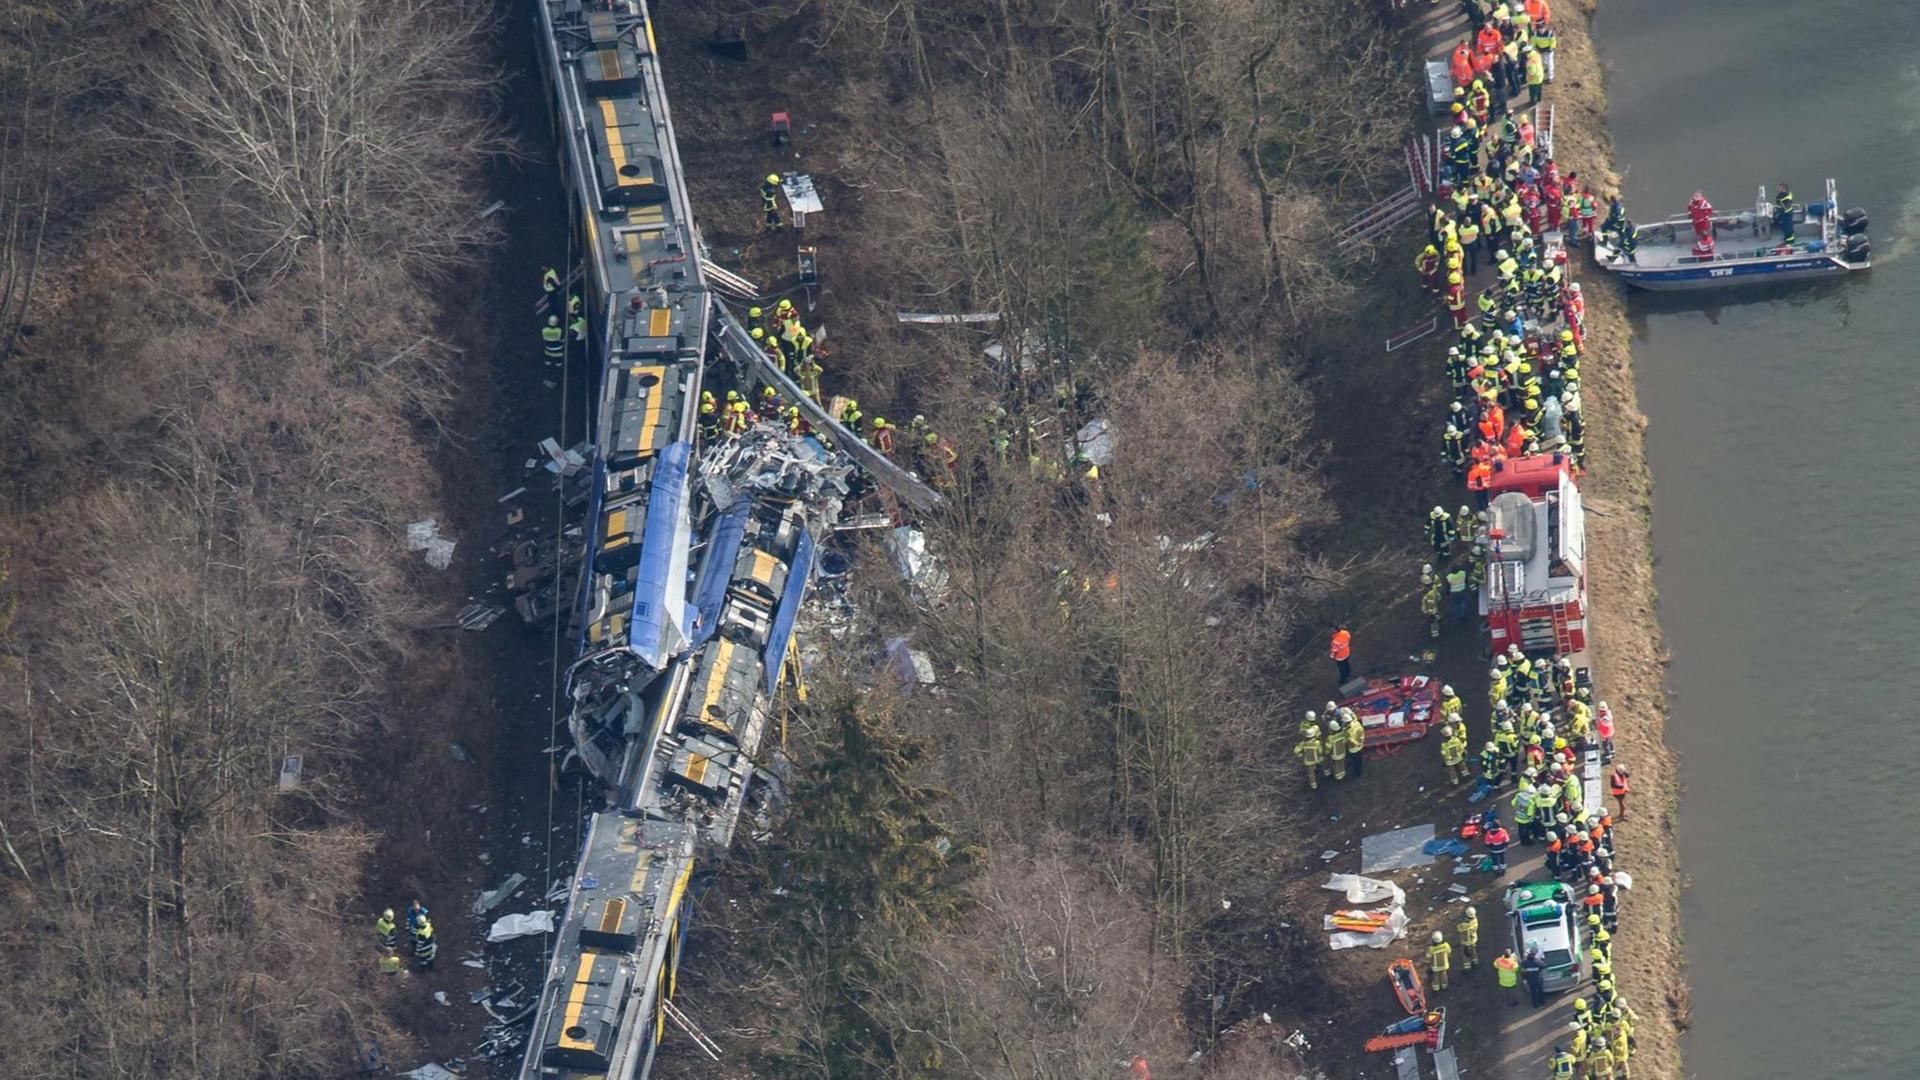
(1784, 442)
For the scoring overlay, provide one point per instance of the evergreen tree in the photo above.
(866, 869)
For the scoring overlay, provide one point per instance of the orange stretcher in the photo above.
(1406, 986)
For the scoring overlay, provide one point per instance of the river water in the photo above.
(1785, 426)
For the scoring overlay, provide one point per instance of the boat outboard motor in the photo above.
(1853, 222)
(1858, 248)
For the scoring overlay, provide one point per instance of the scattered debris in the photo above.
(1446, 846)
(511, 495)
(767, 460)
(432, 1072)
(935, 319)
(1329, 855)
(290, 772)
(1396, 850)
(492, 898)
(1095, 440)
(907, 548)
(912, 666)
(441, 997)
(1456, 887)
(425, 536)
(514, 926)
(460, 753)
(477, 617)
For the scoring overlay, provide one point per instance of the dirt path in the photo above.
(1627, 655)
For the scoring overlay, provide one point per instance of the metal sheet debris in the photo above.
(432, 1072)
(907, 549)
(925, 318)
(1396, 850)
(477, 617)
(493, 897)
(513, 926)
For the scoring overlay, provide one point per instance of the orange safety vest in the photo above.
(1461, 66)
(1342, 645)
(1617, 783)
(1479, 476)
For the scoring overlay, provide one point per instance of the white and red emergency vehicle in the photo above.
(1536, 588)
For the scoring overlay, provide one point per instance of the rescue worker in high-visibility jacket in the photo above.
(709, 415)
(738, 418)
(1356, 741)
(1455, 442)
(1430, 607)
(386, 931)
(1457, 593)
(1450, 702)
(1453, 755)
(1457, 300)
(1440, 532)
(1337, 749)
(1490, 761)
(1307, 750)
(424, 945)
(1467, 932)
(553, 340)
(1599, 1060)
(806, 372)
(770, 201)
(1785, 209)
(1496, 683)
(1439, 960)
(550, 281)
(1525, 816)
(1428, 265)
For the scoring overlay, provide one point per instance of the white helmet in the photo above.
(1439, 511)
(1438, 937)
(1446, 691)
(1312, 716)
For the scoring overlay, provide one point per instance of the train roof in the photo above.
(597, 1010)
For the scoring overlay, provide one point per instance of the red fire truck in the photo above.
(1536, 589)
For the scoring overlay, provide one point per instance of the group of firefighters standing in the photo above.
(419, 927)
(1514, 371)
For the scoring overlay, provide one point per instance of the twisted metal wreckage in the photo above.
(699, 555)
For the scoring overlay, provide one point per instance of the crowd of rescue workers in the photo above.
(1514, 371)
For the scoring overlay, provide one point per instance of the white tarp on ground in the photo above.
(1396, 850)
(508, 927)
(432, 1072)
(1366, 890)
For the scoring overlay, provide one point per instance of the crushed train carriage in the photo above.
(697, 558)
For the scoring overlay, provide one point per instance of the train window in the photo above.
(629, 170)
(649, 379)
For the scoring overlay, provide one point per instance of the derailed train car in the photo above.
(697, 560)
